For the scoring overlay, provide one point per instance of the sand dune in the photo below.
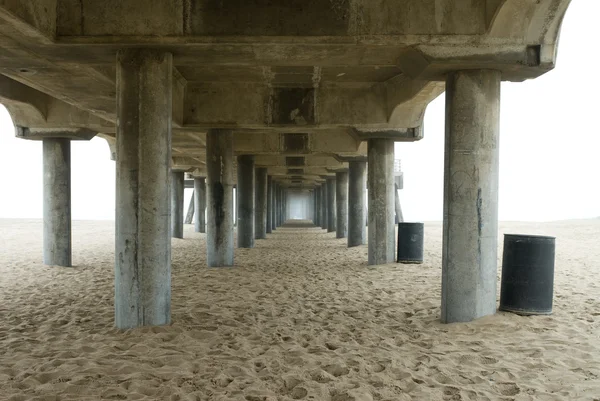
(301, 318)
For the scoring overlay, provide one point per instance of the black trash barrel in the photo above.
(527, 285)
(410, 243)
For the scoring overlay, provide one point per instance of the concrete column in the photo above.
(260, 203)
(324, 208)
(245, 201)
(280, 206)
(311, 205)
(177, 178)
(219, 183)
(470, 233)
(274, 209)
(269, 227)
(331, 205)
(316, 220)
(57, 201)
(200, 204)
(143, 216)
(234, 192)
(189, 217)
(357, 183)
(381, 201)
(285, 206)
(341, 201)
(317, 206)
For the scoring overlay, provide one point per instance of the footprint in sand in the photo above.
(377, 368)
(298, 393)
(487, 360)
(321, 376)
(451, 393)
(508, 389)
(336, 370)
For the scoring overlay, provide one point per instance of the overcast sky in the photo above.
(549, 148)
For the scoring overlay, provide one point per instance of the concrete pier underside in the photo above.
(304, 92)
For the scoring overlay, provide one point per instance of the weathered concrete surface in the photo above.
(200, 204)
(245, 201)
(470, 233)
(274, 212)
(57, 202)
(334, 72)
(317, 219)
(260, 203)
(142, 241)
(324, 206)
(341, 199)
(269, 227)
(219, 183)
(281, 205)
(357, 184)
(331, 205)
(177, 178)
(284, 206)
(381, 201)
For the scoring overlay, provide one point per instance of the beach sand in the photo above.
(301, 317)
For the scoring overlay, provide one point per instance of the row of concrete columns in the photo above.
(339, 203)
(147, 189)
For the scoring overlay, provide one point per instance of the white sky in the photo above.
(549, 148)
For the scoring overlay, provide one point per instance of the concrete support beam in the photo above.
(269, 227)
(381, 201)
(324, 206)
(57, 201)
(189, 217)
(470, 233)
(200, 204)
(260, 203)
(357, 183)
(143, 221)
(177, 178)
(245, 201)
(219, 183)
(341, 199)
(331, 205)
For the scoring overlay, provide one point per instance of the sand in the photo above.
(301, 317)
